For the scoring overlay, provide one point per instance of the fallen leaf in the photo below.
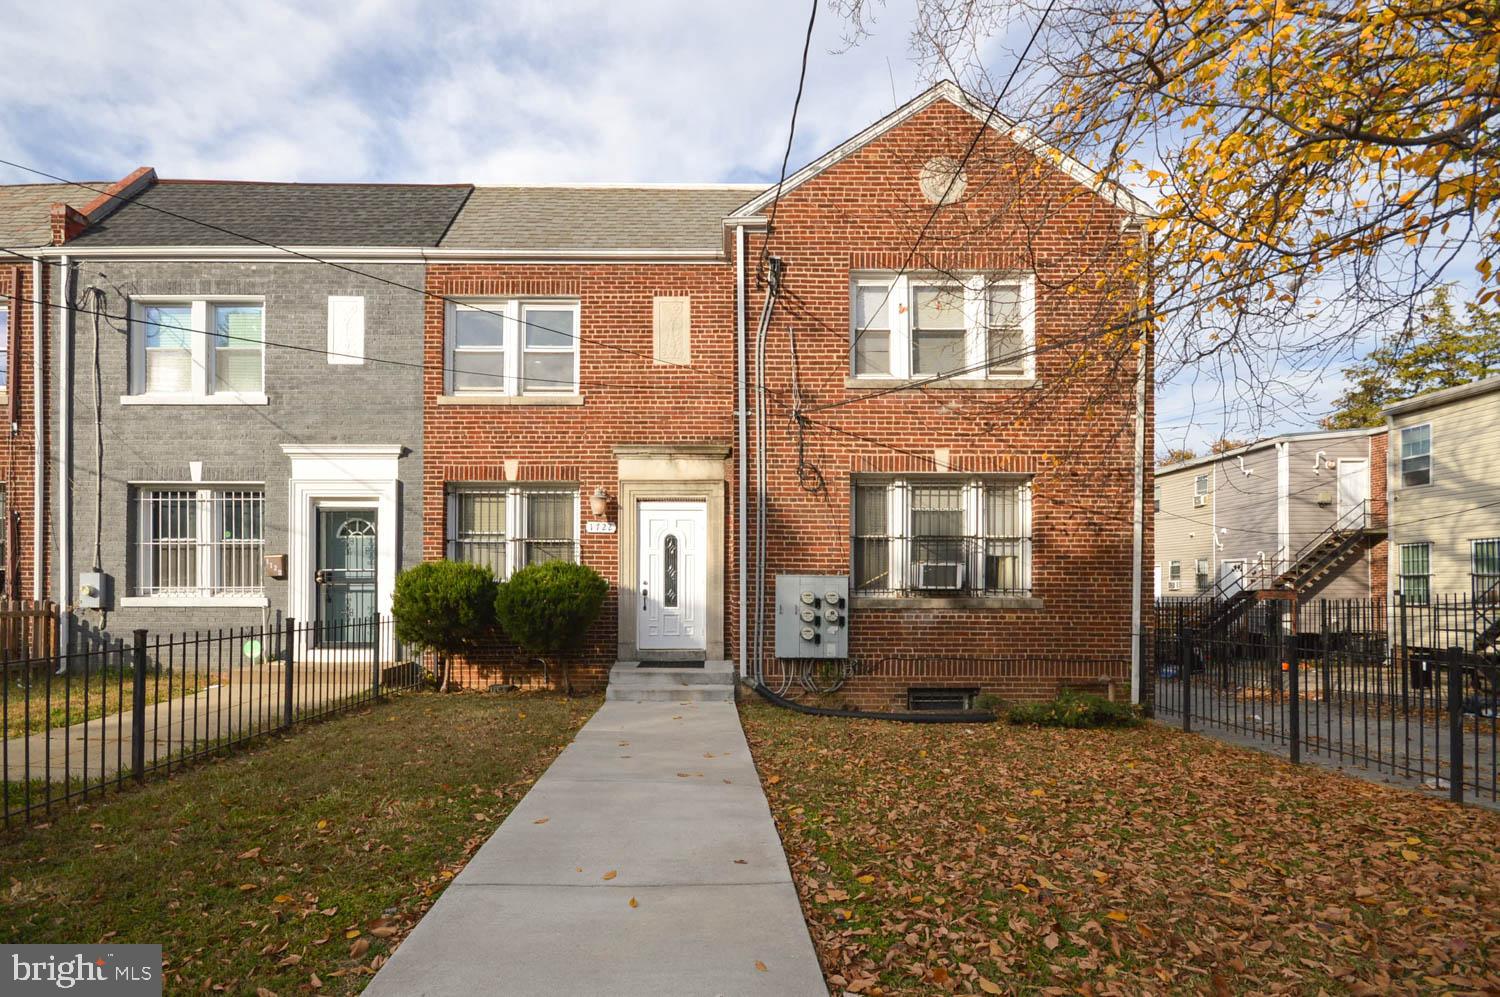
(541, 820)
(609, 875)
(359, 948)
(633, 902)
(760, 967)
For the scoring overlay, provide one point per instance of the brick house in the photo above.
(1005, 561)
(941, 418)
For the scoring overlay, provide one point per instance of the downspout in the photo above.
(741, 441)
(64, 447)
(1138, 500)
(38, 455)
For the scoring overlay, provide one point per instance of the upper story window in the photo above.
(1156, 498)
(942, 535)
(1200, 491)
(4, 345)
(1416, 455)
(511, 347)
(198, 349)
(908, 326)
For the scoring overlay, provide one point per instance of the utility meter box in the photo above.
(96, 590)
(812, 616)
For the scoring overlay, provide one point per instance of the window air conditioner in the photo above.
(940, 575)
(1174, 585)
(1199, 501)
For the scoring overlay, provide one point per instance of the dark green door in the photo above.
(346, 576)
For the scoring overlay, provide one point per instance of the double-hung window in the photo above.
(1416, 455)
(974, 327)
(1200, 491)
(1484, 570)
(198, 349)
(1200, 575)
(192, 541)
(511, 347)
(1415, 578)
(940, 535)
(4, 345)
(507, 527)
(1174, 575)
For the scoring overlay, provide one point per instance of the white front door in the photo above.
(1354, 484)
(673, 593)
(1231, 577)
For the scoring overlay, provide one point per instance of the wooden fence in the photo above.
(28, 629)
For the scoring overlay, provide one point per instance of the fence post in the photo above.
(1294, 684)
(1185, 674)
(376, 647)
(289, 641)
(1455, 724)
(138, 710)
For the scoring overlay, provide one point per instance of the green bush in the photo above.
(445, 607)
(548, 608)
(1076, 710)
(991, 703)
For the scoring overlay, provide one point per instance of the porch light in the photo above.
(599, 501)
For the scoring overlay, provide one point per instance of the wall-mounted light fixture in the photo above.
(599, 501)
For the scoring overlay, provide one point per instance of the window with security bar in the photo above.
(1415, 578)
(942, 534)
(186, 349)
(1485, 569)
(190, 541)
(507, 527)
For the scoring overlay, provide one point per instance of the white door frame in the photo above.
(1338, 482)
(695, 586)
(348, 476)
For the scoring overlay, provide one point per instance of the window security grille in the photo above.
(198, 542)
(507, 528)
(940, 700)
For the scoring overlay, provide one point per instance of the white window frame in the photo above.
(513, 344)
(1200, 495)
(902, 579)
(205, 509)
(1401, 457)
(201, 349)
(1174, 576)
(1402, 574)
(517, 494)
(899, 307)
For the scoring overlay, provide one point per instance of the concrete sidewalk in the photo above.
(656, 802)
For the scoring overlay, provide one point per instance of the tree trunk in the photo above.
(445, 663)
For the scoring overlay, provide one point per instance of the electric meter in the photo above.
(808, 615)
(808, 598)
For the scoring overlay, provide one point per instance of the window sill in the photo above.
(945, 602)
(224, 398)
(962, 383)
(194, 601)
(482, 399)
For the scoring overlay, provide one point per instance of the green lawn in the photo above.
(296, 865)
(45, 701)
(995, 859)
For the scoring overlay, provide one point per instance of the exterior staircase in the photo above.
(711, 682)
(1350, 536)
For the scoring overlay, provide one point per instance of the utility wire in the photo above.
(791, 132)
(446, 299)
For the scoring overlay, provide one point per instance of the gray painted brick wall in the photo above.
(310, 402)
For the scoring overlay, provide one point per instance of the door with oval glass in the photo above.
(345, 577)
(673, 597)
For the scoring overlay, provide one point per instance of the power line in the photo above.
(791, 132)
(446, 299)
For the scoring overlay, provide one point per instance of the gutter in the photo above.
(1138, 527)
(38, 455)
(741, 438)
(387, 254)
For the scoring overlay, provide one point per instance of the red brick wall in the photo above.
(17, 452)
(1074, 433)
(627, 397)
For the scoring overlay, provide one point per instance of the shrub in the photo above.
(548, 608)
(991, 703)
(445, 607)
(1076, 710)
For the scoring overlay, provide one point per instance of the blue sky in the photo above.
(645, 90)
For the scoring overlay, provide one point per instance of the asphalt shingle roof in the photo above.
(283, 214)
(26, 211)
(596, 218)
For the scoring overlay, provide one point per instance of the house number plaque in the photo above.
(598, 526)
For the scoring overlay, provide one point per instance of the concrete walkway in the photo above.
(653, 802)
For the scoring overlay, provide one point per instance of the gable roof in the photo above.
(286, 214)
(26, 212)
(1165, 470)
(1443, 396)
(1118, 195)
(658, 217)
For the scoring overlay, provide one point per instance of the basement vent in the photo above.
(940, 700)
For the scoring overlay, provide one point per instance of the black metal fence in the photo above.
(1408, 689)
(76, 724)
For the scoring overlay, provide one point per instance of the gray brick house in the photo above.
(239, 481)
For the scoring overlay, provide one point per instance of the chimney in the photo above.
(69, 222)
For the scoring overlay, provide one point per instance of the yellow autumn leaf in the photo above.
(634, 902)
(1409, 855)
(282, 898)
(609, 875)
(352, 933)
(866, 879)
(1118, 915)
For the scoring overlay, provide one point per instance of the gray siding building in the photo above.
(254, 412)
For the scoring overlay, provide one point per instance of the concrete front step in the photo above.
(714, 682)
